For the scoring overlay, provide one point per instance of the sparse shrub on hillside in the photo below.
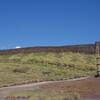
(46, 66)
(16, 57)
(21, 69)
(59, 59)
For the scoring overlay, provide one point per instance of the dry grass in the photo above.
(48, 95)
(36, 67)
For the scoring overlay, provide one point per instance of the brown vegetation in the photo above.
(85, 48)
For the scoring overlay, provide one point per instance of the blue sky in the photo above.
(48, 22)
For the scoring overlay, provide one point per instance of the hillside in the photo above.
(80, 48)
(33, 67)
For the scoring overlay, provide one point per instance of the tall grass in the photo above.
(23, 68)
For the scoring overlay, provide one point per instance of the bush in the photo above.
(21, 69)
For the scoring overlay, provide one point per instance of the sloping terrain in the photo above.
(77, 89)
(35, 67)
(22, 69)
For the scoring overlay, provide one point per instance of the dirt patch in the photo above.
(89, 89)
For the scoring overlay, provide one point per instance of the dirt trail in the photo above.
(89, 88)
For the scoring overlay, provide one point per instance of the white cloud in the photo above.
(18, 47)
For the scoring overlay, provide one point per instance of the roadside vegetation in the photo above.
(35, 67)
(47, 95)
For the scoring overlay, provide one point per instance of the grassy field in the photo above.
(34, 67)
(47, 95)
